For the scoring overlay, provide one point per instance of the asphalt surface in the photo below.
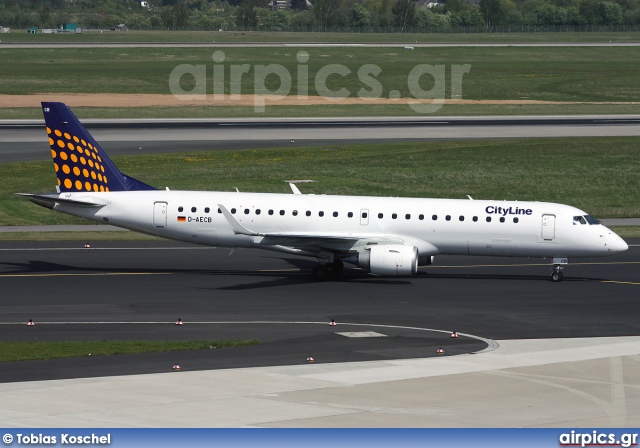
(26, 141)
(138, 290)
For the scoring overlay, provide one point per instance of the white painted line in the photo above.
(107, 248)
(362, 334)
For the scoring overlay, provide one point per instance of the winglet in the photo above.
(238, 229)
(294, 188)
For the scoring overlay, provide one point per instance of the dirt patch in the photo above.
(157, 100)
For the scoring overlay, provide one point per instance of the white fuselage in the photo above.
(434, 226)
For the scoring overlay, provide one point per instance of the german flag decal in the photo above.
(182, 219)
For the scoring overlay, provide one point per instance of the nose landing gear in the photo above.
(556, 274)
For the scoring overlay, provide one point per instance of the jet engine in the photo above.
(393, 260)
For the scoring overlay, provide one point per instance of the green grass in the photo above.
(29, 351)
(328, 37)
(497, 73)
(599, 175)
(75, 236)
(375, 110)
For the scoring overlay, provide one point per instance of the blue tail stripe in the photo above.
(79, 161)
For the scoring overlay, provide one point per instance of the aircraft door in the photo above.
(364, 217)
(548, 227)
(160, 214)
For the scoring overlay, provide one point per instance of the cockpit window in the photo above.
(591, 220)
(579, 220)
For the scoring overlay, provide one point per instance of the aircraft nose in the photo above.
(616, 244)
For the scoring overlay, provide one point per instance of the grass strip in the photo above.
(598, 175)
(371, 110)
(496, 73)
(29, 351)
(75, 236)
(17, 35)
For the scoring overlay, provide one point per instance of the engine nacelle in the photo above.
(394, 260)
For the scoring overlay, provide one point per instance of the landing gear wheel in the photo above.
(557, 276)
(320, 273)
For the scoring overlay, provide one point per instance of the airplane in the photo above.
(385, 236)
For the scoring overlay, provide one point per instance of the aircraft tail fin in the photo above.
(79, 161)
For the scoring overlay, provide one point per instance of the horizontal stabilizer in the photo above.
(50, 200)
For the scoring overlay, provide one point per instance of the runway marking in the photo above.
(101, 274)
(109, 248)
(620, 283)
(280, 270)
(430, 266)
(362, 334)
(491, 344)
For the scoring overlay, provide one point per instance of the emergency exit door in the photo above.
(548, 227)
(160, 214)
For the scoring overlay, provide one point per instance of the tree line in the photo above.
(402, 15)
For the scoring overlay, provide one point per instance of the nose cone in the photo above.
(618, 245)
(615, 244)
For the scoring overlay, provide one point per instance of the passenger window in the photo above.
(448, 217)
(421, 217)
(394, 216)
(516, 220)
(295, 213)
(281, 212)
(502, 219)
(380, 216)
(246, 211)
(321, 214)
(207, 210)
(233, 211)
(461, 218)
(434, 217)
(257, 211)
(271, 212)
(193, 209)
(335, 214)
(350, 214)
(219, 210)
(475, 219)
(488, 218)
(364, 215)
(308, 213)
(180, 208)
(407, 216)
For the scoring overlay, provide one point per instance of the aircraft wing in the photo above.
(312, 240)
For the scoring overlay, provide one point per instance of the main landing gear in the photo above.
(325, 271)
